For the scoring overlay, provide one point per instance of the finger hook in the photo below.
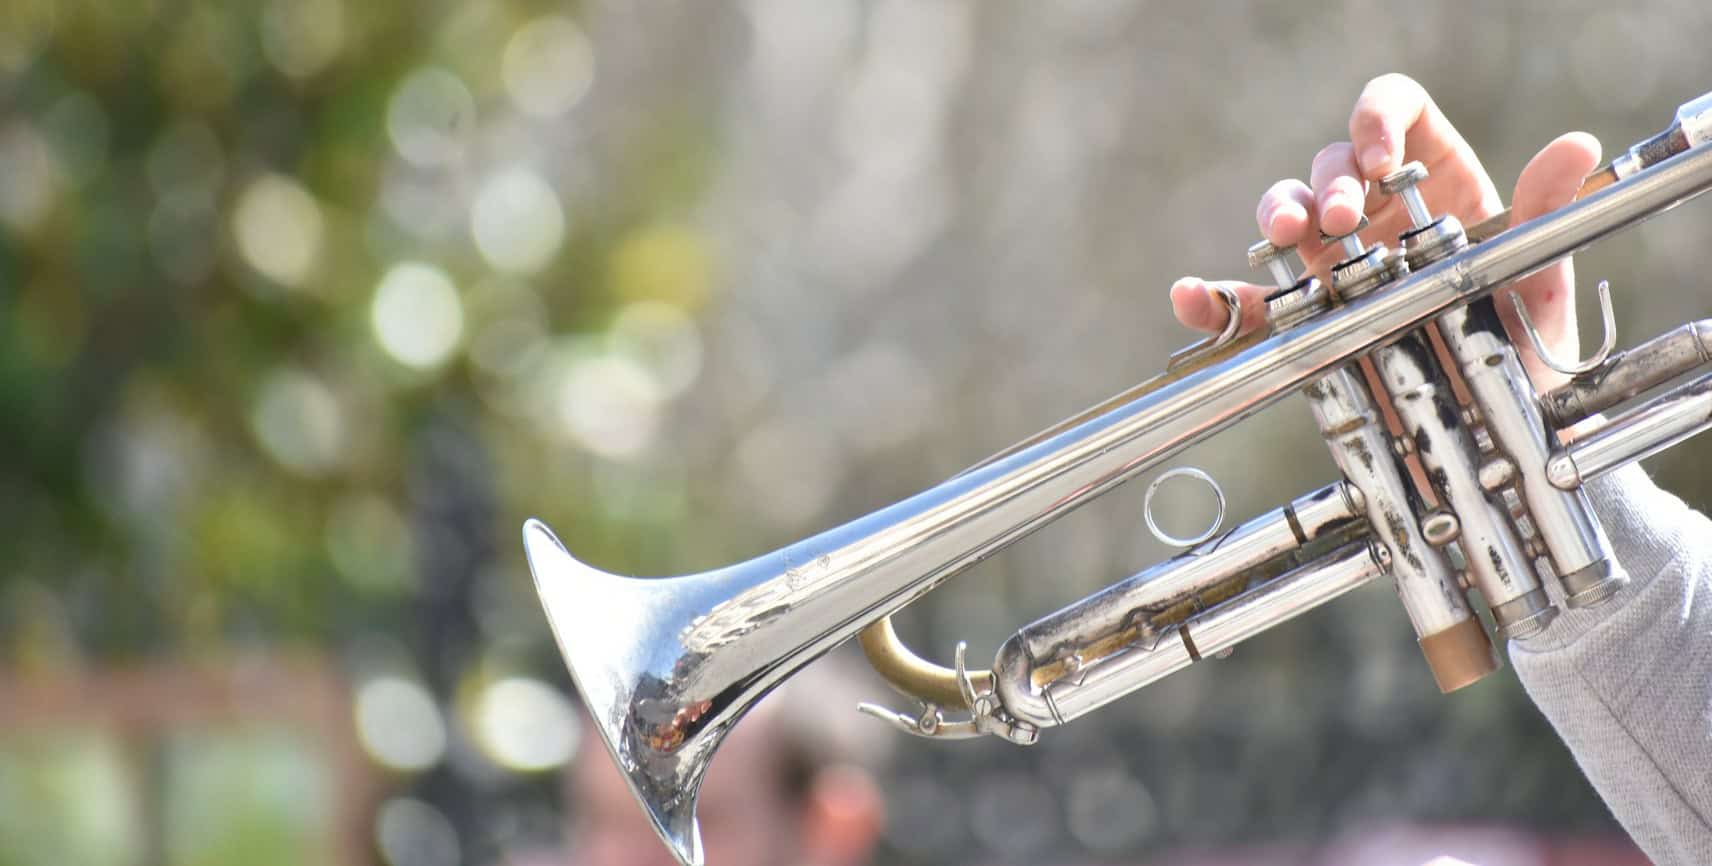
(1233, 324)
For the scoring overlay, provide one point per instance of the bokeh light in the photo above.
(399, 723)
(409, 832)
(523, 724)
(662, 338)
(417, 316)
(548, 66)
(517, 221)
(32, 175)
(301, 37)
(206, 57)
(369, 544)
(299, 422)
(431, 117)
(278, 227)
(668, 263)
(608, 404)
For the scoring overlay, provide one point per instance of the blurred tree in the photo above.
(268, 313)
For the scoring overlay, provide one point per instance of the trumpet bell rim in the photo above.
(595, 618)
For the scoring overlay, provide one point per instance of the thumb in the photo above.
(1195, 305)
(1550, 181)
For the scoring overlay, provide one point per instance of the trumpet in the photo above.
(1459, 480)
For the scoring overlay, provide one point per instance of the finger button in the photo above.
(1265, 255)
(1410, 174)
(1402, 183)
(1352, 246)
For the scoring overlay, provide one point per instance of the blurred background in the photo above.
(305, 305)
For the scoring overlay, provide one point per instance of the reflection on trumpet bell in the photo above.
(596, 618)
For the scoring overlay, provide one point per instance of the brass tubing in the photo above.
(911, 674)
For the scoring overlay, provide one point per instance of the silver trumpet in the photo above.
(1483, 494)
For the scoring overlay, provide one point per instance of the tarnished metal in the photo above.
(1626, 374)
(1509, 410)
(1117, 640)
(1493, 554)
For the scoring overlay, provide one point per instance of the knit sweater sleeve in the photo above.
(1628, 685)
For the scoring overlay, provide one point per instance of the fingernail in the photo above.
(1373, 159)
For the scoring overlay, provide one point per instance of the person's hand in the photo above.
(1394, 122)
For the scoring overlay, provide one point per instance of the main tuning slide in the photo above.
(1460, 500)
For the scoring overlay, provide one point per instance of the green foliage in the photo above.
(66, 799)
(196, 408)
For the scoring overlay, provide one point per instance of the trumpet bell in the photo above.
(615, 634)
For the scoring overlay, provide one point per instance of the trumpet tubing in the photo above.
(1138, 629)
(667, 666)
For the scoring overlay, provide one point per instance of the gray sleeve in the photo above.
(1628, 685)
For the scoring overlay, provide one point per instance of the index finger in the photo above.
(1395, 116)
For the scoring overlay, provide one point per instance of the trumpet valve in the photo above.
(1264, 255)
(1296, 299)
(1363, 268)
(1353, 248)
(1294, 304)
(1402, 183)
(1433, 237)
